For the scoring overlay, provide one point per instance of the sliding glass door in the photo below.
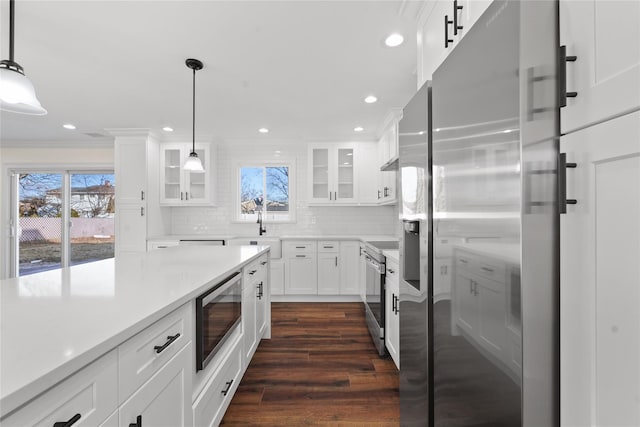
(61, 218)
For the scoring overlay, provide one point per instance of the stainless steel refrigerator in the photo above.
(479, 296)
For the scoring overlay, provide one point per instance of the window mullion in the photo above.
(264, 193)
(66, 219)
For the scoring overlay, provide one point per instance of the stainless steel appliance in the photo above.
(218, 311)
(375, 295)
(479, 332)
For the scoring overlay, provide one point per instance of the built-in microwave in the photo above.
(218, 312)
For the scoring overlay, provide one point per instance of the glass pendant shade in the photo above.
(193, 163)
(17, 94)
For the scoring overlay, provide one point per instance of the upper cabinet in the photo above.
(179, 187)
(602, 40)
(441, 25)
(333, 173)
(387, 159)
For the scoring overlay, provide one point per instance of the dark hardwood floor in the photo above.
(320, 368)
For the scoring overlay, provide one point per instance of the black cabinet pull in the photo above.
(68, 423)
(252, 272)
(562, 76)
(263, 262)
(447, 40)
(142, 195)
(562, 183)
(160, 348)
(259, 287)
(456, 8)
(138, 422)
(226, 390)
(488, 270)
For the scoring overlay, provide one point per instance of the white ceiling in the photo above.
(299, 68)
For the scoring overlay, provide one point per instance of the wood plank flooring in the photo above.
(320, 368)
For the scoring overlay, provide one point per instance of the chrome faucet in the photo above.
(261, 228)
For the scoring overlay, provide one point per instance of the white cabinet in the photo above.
(276, 281)
(254, 300)
(368, 170)
(131, 197)
(185, 188)
(441, 278)
(349, 260)
(437, 36)
(362, 273)
(388, 152)
(301, 268)
(90, 396)
(333, 174)
(164, 399)
(328, 268)
(600, 273)
(392, 307)
(161, 244)
(604, 36)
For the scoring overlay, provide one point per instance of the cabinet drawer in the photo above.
(91, 392)
(295, 247)
(328, 246)
(488, 267)
(255, 271)
(139, 358)
(465, 261)
(212, 403)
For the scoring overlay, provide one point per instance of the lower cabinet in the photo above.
(349, 268)
(276, 281)
(392, 310)
(255, 298)
(362, 273)
(164, 400)
(328, 268)
(211, 404)
(300, 268)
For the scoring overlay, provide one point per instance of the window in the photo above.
(61, 218)
(266, 190)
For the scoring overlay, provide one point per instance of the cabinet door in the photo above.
(431, 48)
(605, 38)
(131, 223)
(599, 273)
(368, 169)
(130, 167)
(320, 175)
(362, 276)
(261, 308)
(466, 308)
(392, 317)
(171, 158)
(197, 190)
(277, 277)
(349, 264)
(328, 274)
(345, 183)
(301, 275)
(164, 400)
(249, 305)
(491, 298)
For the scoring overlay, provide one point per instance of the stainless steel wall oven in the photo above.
(218, 311)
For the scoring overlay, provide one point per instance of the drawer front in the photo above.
(212, 403)
(328, 246)
(139, 358)
(465, 261)
(294, 247)
(256, 271)
(482, 266)
(92, 393)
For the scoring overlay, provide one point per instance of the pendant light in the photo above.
(193, 163)
(17, 94)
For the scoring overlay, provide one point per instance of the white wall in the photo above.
(73, 157)
(328, 220)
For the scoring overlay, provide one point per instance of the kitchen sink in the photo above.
(275, 243)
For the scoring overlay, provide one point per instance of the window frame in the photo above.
(237, 198)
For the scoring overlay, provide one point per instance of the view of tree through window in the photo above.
(266, 190)
(42, 198)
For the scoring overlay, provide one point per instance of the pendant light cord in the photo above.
(194, 112)
(11, 24)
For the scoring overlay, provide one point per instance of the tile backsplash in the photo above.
(219, 220)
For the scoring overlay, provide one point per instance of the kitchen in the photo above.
(134, 148)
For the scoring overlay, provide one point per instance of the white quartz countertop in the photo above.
(509, 252)
(54, 323)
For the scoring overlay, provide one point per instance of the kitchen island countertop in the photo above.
(54, 323)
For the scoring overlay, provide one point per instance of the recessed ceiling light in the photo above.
(370, 99)
(358, 129)
(263, 130)
(69, 126)
(167, 129)
(394, 40)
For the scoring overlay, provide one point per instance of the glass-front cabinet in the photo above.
(332, 174)
(179, 187)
